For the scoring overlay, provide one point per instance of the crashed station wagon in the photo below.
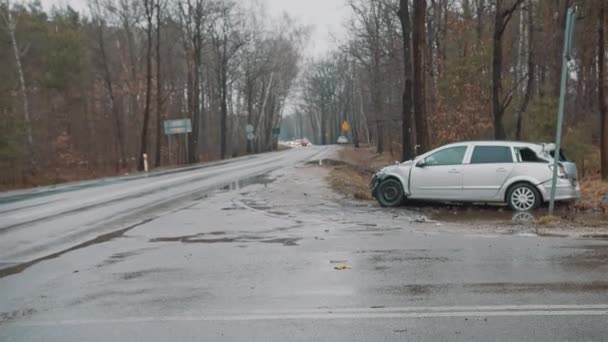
(516, 173)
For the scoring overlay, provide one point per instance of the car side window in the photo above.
(448, 156)
(491, 154)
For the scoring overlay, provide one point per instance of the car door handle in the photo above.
(502, 169)
(454, 171)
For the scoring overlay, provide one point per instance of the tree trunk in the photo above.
(12, 26)
(144, 130)
(479, 22)
(323, 124)
(406, 112)
(531, 71)
(502, 18)
(601, 90)
(497, 109)
(159, 89)
(419, 73)
(377, 102)
(196, 93)
(224, 108)
(114, 107)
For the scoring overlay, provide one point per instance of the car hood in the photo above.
(395, 167)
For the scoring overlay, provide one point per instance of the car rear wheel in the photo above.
(390, 193)
(523, 197)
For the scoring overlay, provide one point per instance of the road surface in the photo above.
(246, 250)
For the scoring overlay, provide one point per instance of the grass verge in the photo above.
(351, 175)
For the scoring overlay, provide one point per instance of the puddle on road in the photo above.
(15, 269)
(199, 238)
(494, 214)
(589, 257)
(500, 288)
(6, 317)
(143, 273)
(236, 185)
(284, 241)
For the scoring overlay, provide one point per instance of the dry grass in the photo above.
(547, 219)
(349, 181)
(593, 190)
(351, 178)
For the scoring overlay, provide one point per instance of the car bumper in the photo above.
(565, 190)
(373, 185)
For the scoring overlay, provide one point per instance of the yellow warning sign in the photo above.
(345, 126)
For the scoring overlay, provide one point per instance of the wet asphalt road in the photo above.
(246, 250)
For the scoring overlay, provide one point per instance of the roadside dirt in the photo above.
(350, 173)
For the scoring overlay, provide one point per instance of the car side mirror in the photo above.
(421, 164)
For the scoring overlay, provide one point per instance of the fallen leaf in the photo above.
(343, 267)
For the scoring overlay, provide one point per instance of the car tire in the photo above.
(390, 193)
(523, 197)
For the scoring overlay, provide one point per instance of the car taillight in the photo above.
(561, 171)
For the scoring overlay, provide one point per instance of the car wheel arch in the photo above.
(399, 179)
(527, 182)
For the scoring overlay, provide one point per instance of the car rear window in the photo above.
(527, 155)
(562, 155)
(491, 154)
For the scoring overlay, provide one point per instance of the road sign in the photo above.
(249, 129)
(276, 132)
(250, 136)
(345, 126)
(177, 126)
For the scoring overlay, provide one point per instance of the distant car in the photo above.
(516, 173)
(342, 140)
(304, 142)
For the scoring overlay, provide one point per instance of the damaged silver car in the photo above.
(516, 173)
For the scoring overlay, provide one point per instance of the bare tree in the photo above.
(194, 18)
(149, 14)
(11, 25)
(500, 101)
(159, 84)
(529, 73)
(601, 89)
(406, 113)
(97, 15)
(419, 84)
(226, 41)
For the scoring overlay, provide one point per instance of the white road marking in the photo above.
(353, 313)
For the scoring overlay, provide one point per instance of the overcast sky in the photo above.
(326, 17)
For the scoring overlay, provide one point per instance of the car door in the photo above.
(486, 172)
(439, 175)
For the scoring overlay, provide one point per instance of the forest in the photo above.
(84, 95)
(414, 75)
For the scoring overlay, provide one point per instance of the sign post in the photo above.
(179, 126)
(250, 136)
(570, 20)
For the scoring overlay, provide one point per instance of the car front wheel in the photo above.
(523, 197)
(390, 193)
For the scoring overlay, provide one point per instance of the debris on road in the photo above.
(424, 219)
(342, 267)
